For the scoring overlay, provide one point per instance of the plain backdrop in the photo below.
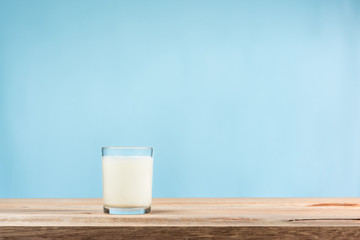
(238, 98)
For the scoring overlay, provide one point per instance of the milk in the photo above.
(127, 181)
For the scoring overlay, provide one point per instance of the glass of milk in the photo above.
(127, 179)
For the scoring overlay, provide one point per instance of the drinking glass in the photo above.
(127, 179)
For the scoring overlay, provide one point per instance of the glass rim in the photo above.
(130, 147)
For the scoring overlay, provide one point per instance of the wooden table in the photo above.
(180, 218)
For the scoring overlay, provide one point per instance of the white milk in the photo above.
(127, 181)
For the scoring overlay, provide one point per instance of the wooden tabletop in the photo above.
(184, 218)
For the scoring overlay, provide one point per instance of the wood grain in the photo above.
(220, 218)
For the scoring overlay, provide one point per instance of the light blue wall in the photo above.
(238, 98)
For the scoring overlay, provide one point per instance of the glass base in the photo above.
(126, 210)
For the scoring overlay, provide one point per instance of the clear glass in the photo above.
(127, 179)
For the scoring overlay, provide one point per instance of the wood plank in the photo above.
(248, 218)
(247, 233)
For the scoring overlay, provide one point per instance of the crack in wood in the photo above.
(334, 205)
(323, 219)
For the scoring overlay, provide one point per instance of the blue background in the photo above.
(238, 98)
